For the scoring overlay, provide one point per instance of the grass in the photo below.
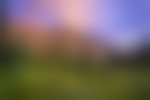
(66, 79)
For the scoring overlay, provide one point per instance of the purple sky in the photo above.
(122, 23)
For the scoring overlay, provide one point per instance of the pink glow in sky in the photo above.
(121, 23)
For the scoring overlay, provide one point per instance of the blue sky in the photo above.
(126, 22)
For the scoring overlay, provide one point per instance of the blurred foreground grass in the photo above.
(69, 80)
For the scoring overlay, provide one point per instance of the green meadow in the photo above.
(65, 79)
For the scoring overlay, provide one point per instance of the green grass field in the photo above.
(66, 79)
